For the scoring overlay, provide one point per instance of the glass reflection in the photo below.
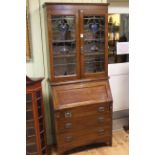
(118, 31)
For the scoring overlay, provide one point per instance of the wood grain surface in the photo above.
(120, 146)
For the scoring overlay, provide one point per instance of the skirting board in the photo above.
(120, 114)
(120, 119)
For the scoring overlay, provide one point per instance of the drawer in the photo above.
(85, 122)
(82, 141)
(86, 137)
(83, 111)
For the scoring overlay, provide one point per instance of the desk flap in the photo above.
(81, 94)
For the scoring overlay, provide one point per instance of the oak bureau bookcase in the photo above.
(81, 95)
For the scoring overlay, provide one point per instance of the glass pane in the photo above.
(65, 65)
(93, 49)
(42, 140)
(28, 101)
(29, 115)
(64, 45)
(39, 112)
(118, 31)
(94, 63)
(41, 127)
(39, 102)
(31, 149)
(30, 132)
(44, 151)
(38, 94)
(28, 97)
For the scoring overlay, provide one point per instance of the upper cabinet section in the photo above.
(78, 41)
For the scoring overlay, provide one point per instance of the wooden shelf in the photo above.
(28, 101)
(29, 110)
(64, 55)
(58, 65)
(93, 53)
(31, 136)
(94, 40)
(29, 144)
(93, 18)
(30, 120)
(92, 62)
(63, 41)
(35, 153)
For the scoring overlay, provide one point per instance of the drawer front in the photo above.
(86, 122)
(83, 111)
(83, 137)
(81, 141)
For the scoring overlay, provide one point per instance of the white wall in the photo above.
(119, 82)
(35, 68)
(118, 7)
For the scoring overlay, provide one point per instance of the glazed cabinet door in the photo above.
(93, 38)
(63, 30)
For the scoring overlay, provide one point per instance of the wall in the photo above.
(38, 67)
(35, 67)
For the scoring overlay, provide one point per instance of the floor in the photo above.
(119, 146)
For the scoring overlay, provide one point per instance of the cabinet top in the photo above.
(31, 81)
(59, 3)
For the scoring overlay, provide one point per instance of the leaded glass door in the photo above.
(93, 36)
(63, 30)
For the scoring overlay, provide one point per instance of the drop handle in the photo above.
(68, 139)
(68, 114)
(100, 109)
(110, 107)
(68, 125)
(101, 131)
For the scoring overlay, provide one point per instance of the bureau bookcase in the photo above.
(78, 54)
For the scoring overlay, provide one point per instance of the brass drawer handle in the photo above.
(101, 119)
(68, 114)
(68, 125)
(100, 109)
(110, 107)
(101, 131)
(68, 139)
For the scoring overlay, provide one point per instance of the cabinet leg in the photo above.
(109, 143)
(60, 153)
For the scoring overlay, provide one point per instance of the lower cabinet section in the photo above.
(84, 130)
(85, 122)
